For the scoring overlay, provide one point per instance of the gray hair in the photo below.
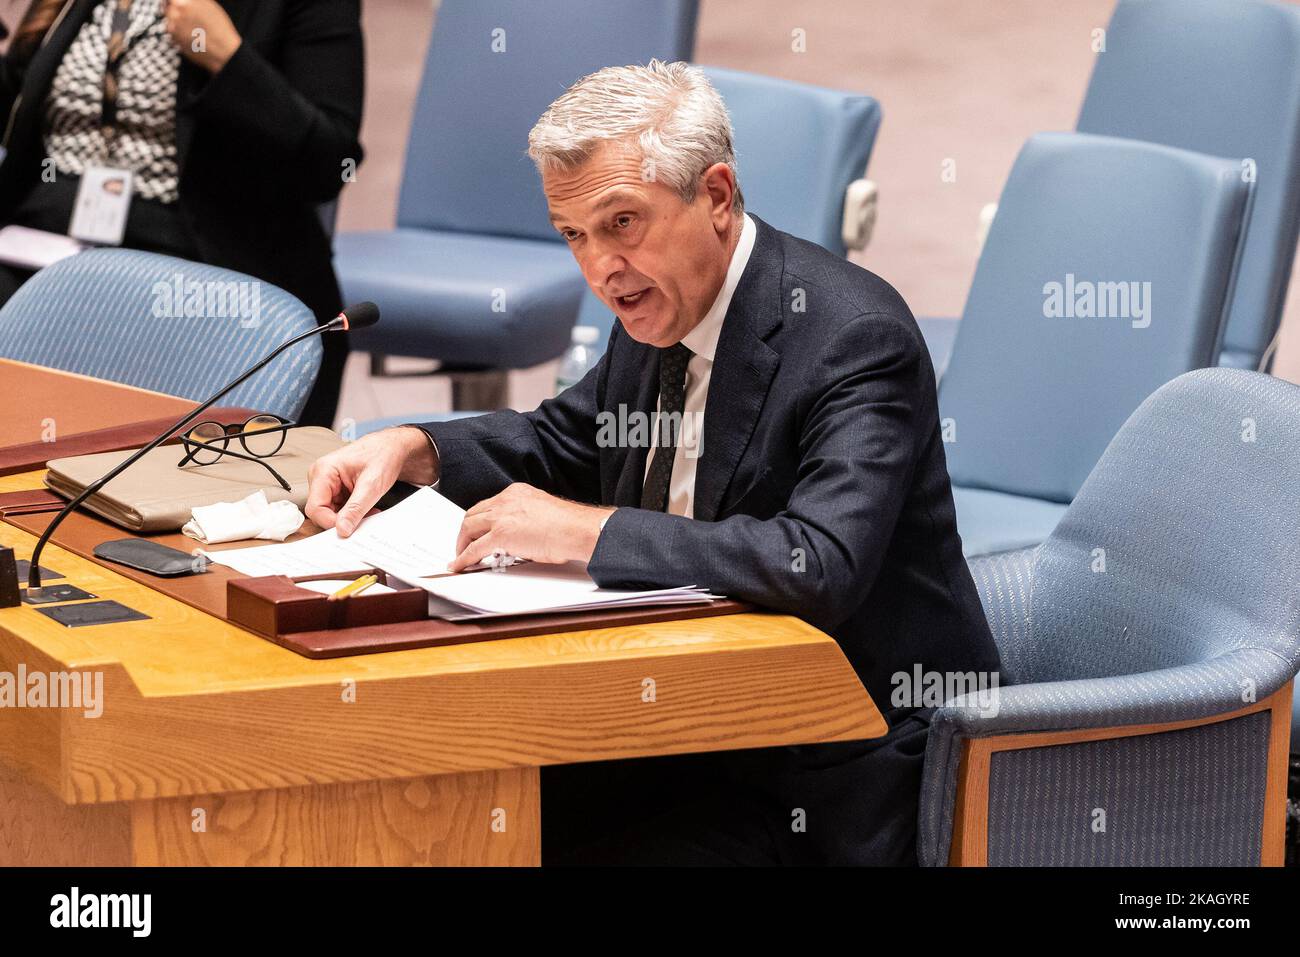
(670, 112)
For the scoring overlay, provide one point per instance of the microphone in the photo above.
(357, 316)
(360, 316)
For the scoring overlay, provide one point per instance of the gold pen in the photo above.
(354, 587)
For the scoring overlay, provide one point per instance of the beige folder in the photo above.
(153, 495)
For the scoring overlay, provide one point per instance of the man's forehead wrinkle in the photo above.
(592, 184)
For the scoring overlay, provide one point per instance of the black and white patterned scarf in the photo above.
(143, 138)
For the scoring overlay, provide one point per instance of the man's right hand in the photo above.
(345, 485)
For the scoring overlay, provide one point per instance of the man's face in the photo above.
(656, 261)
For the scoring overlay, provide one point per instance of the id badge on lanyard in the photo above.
(103, 203)
(104, 196)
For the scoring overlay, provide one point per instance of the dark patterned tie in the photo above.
(668, 426)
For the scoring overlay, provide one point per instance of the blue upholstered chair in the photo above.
(387, 422)
(1036, 389)
(801, 152)
(163, 324)
(1149, 644)
(474, 275)
(1219, 77)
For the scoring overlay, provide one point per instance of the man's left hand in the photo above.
(528, 523)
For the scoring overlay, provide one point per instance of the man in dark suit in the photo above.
(804, 472)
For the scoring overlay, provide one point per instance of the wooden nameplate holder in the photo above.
(311, 625)
(274, 605)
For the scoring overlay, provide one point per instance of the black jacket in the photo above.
(822, 491)
(260, 145)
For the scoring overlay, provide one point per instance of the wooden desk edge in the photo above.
(717, 700)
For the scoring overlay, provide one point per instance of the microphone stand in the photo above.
(34, 574)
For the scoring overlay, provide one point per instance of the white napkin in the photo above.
(253, 517)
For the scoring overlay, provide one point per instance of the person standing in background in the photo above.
(237, 119)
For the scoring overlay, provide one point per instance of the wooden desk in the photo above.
(73, 403)
(217, 747)
(48, 413)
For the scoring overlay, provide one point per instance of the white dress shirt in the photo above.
(703, 343)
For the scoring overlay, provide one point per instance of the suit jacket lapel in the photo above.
(743, 368)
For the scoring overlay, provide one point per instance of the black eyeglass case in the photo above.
(151, 557)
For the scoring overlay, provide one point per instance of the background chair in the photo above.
(1029, 402)
(474, 275)
(801, 152)
(1220, 77)
(136, 318)
(1150, 645)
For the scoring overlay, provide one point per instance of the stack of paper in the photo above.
(417, 537)
(321, 554)
(531, 588)
(416, 540)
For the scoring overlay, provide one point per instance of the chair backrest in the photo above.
(164, 324)
(798, 148)
(1105, 274)
(492, 69)
(1183, 545)
(1219, 77)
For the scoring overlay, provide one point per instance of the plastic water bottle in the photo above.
(580, 358)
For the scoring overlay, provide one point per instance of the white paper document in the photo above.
(534, 587)
(321, 554)
(35, 248)
(416, 539)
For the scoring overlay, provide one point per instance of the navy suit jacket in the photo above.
(821, 491)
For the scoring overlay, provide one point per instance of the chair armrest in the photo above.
(987, 212)
(939, 333)
(859, 213)
(1186, 693)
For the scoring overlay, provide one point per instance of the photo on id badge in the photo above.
(103, 201)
